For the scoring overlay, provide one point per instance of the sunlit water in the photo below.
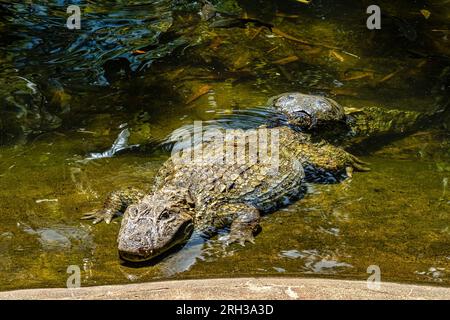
(396, 216)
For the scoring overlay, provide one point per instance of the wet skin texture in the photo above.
(211, 194)
(208, 195)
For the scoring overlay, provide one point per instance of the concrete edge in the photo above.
(239, 288)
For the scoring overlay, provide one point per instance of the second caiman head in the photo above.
(307, 112)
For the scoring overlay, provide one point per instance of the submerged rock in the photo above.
(51, 239)
(60, 237)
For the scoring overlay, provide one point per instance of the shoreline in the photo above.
(249, 288)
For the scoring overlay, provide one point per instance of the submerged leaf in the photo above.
(200, 92)
(425, 13)
(286, 60)
(337, 56)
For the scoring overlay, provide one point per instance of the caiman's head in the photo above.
(307, 112)
(155, 225)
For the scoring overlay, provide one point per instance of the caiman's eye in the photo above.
(165, 215)
(132, 212)
(143, 207)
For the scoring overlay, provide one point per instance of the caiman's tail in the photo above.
(374, 121)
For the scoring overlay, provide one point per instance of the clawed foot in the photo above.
(357, 164)
(115, 204)
(99, 216)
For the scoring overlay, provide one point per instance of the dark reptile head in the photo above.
(307, 112)
(155, 225)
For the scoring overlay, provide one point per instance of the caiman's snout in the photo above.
(148, 237)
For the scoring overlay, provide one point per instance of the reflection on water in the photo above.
(314, 262)
(184, 259)
(120, 144)
(108, 31)
(139, 73)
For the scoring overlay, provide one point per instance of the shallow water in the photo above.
(395, 217)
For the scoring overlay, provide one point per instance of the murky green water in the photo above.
(175, 69)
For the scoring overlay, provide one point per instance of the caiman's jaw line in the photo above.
(134, 257)
(184, 232)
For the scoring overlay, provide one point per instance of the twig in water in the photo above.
(311, 44)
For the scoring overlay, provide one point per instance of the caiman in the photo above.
(326, 119)
(208, 195)
(218, 191)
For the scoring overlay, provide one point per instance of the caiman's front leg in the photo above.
(245, 222)
(331, 158)
(116, 203)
